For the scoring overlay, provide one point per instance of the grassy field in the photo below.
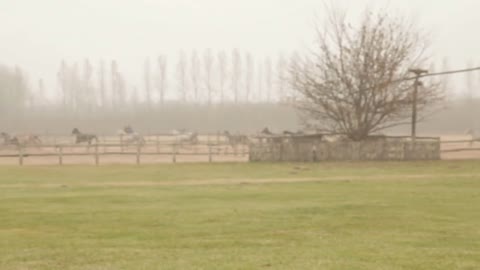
(422, 215)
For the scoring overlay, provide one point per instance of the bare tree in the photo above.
(101, 82)
(13, 90)
(134, 99)
(236, 74)
(208, 63)
(182, 76)
(114, 83)
(162, 77)
(195, 75)
(20, 89)
(355, 82)
(62, 77)
(75, 87)
(268, 68)
(147, 82)
(249, 71)
(88, 93)
(122, 91)
(282, 69)
(222, 74)
(260, 81)
(41, 92)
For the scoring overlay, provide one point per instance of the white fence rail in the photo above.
(208, 152)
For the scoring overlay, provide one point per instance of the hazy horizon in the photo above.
(37, 35)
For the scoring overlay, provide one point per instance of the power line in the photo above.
(443, 73)
(450, 72)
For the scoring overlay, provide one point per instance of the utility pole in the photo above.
(418, 73)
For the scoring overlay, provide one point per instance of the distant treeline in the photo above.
(455, 118)
(206, 77)
(207, 91)
(15, 95)
(241, 118)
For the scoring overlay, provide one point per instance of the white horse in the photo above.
(474, 137)
(177, 132)
(184, 136)
(130, 138)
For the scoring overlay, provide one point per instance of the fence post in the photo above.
(96, 155)
(121, 143)
(20, 155)
(60, 155)
(158, 144)
(209, 153)
(104, 144)
(174, 156)
(138, 154)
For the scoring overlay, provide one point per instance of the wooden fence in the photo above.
(212, 148)
(316, 150)
(97, 151)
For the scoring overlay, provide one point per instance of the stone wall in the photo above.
(317, 150)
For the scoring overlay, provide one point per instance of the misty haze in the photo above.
(222, 134)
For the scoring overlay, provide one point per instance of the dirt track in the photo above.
(186, 154)
(459, 155)
(150, 154)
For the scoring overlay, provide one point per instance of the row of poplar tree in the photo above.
(193, 78)
(206, 77)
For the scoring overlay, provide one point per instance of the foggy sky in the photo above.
(36, 35)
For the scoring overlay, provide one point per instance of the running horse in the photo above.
(474, 137)
(184, 136)
(236, 139)
(8, 140)
(81, 137)
(20, 140)
(189, 137)
(270, 137)
(129, 136)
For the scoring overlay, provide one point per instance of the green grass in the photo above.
(421, 215)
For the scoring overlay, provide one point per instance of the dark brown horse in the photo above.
(8, 140)
(81, 137)
(235, 140)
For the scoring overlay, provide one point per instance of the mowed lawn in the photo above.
(419, 215)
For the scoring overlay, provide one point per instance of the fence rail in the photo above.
(459, 141)
(209, 151)
(460, 150)
(211, 146)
